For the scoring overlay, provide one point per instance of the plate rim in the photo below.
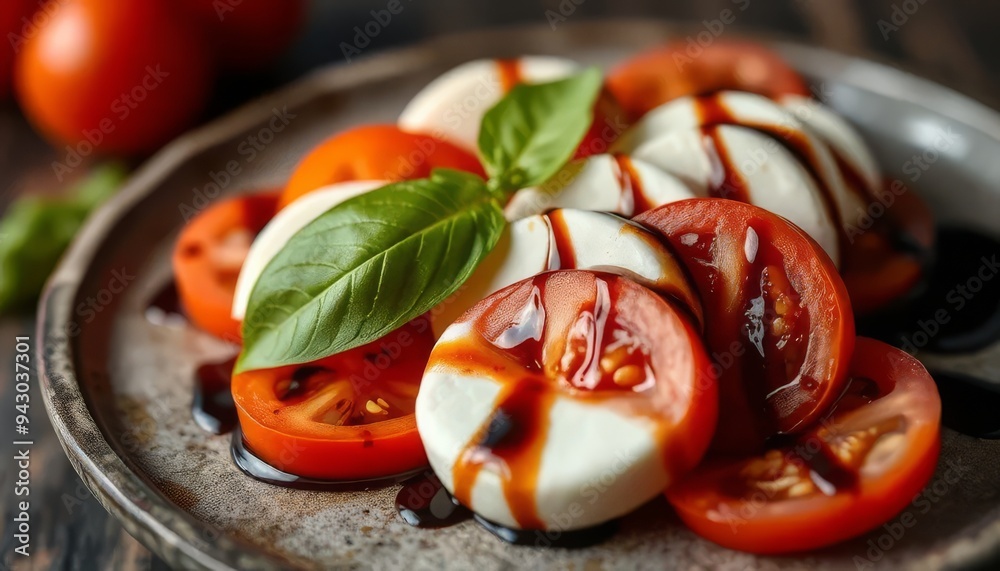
(171, 532)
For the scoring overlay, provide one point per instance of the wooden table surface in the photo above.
(953, 42)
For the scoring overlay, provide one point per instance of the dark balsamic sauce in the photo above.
(631, 184)
(253, 466)
(423, 502)
(958, 307)
(213, 407)
(560, 235)
(165, 307)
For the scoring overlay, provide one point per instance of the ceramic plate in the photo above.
(119, 388)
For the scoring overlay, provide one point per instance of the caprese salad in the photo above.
(540, 278)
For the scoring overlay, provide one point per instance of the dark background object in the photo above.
(953, 42)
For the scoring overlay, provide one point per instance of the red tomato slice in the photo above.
(779, 321)
(877, 269)
(345, 417)
(677, 69)
(375, 152)
(610, 120)
(858, 467)
(208, 256)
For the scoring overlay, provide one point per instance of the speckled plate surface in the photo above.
(119, 388)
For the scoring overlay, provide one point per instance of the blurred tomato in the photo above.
(248, 34)
(16, 24)
(113, 77)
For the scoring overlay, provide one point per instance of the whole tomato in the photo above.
(248, 34)
(113, 77)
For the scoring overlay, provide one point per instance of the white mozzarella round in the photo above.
(452, 106)
(843, 140)
(773, 177)
(604, 462)
(601, 183)
(754, 111)
(598, 241)
(286, 224)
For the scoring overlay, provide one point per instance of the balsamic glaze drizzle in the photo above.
(957, 309)
(213, 407)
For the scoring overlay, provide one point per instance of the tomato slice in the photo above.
(375, 152)
(208, 256)
(855, 469)
(780, 327)
(887, 260)
(346, 417)
(677, 69)
(609, 121)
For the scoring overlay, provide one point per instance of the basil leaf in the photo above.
(533, 131)
(36, 230)
(367, 266)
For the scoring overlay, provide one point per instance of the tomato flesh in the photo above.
(780, 327)
(659, 75)
(375, 152)
(208, 257)
(345, 417)
(860, 465)
(878, 269)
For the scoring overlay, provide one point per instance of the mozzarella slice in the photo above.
(845, 142)
(570, 239)
(605, 183)
(717, 161)
(286, 224)
(452, 106)
(754, 111)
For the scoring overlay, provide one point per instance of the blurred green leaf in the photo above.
(35, 231)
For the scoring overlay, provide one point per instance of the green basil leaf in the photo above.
(36, 230)
(367, 266)
(533, 131)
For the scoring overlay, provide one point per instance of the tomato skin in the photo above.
(251, 34)
(759, 525)
(14, 29)
(205, 291)
(661, 74)
(710, 237)
(294, 442)
(875, 271)
(137, 75)
(375, 152)
(609, 122)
